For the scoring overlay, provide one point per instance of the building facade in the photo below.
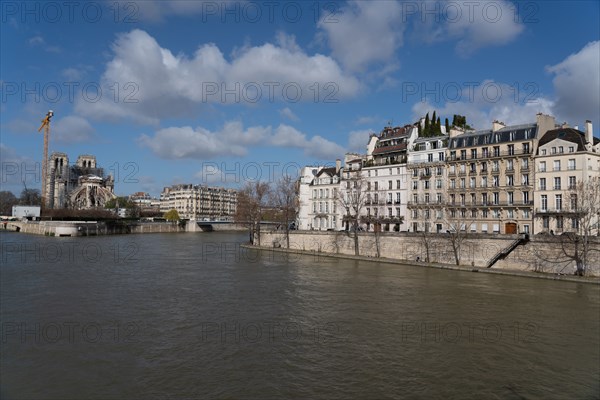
(565, 157)
(427, 187)
(199, 202)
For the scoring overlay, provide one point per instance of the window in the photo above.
(496, 198)
(558, 202)
(397, 211)
(543, 152)
(484, 167)
(484, 214)
(389, 198)
(542, 166)
(438, 184)
(526, 228)
(484, 152)
(397, 198)
(495, 181)
(544, 202)
(390, 213)
(571, 149)
(441, 156)
(484, 228)
(496, 151)
(462, 199)
(495, 166)
(390, 185)
(574, 223)
(484, 199)
(559, 222)
(415, 185)
(510, 181)
(525, 179)
(509, 165)
(473, 213)
(572, 182)
(484, 181)
(430, 157)
(553, 150)
(526, 214)
(462, 183)
(415, 198)
(398, 184)
(463, 154)
(525, 197)
(511, 197)
(439, 171)
(472, 182)
(511, 149)
(561, 149)
(376, 186)
(524, 163)
(557, 165)
(525, 148)
(472, 167)
(452, 183)
(474, 154)
(542, 183)
(453, 199)
(571, 164)
(425, 184)
(545, 222)
(510, 213)
(415, 172)
(557, 183)
(574, 202)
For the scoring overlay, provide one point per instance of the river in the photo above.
(196, 316)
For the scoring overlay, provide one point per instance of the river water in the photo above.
(196, 316)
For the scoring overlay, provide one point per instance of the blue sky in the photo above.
(219, 92)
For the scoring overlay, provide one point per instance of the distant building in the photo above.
(145, 202)
(28, 212)
(79, 186)
(197, 201)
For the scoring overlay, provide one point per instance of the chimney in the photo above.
(497, 125)
(589, 132)
(544, 123)
(338, 165)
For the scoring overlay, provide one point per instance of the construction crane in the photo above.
(46, 126)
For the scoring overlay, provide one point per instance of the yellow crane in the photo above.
(46, 126)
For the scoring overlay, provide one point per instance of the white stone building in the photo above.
(565, 157)
(197, 201)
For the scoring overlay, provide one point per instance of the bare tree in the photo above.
(251, 203)
(352, 198)
(458, 229)
(378, 222)
(584, 212)
(285, 197)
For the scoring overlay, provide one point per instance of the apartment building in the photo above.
(427, 187)
(385, 173)
(565, 157)
(324, 211)
(197, 201)
(491, 177)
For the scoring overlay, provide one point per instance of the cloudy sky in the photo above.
(219, 92)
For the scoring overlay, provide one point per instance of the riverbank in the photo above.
(525, 274)
(100, 228)
(535, 254)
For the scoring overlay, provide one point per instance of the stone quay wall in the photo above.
(538, 254)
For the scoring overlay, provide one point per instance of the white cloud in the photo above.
(289, 114)
(487, 102)
(72, 129)
(161, 84)
(40, 41)
(365, 120)
(155, 11)
(576, 84)
(233, 140)
(364, 32)
(17, 168)
(358, 140)
(473, 25)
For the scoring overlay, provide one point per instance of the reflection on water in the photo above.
(194, 315)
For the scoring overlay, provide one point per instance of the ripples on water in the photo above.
(195, 316)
